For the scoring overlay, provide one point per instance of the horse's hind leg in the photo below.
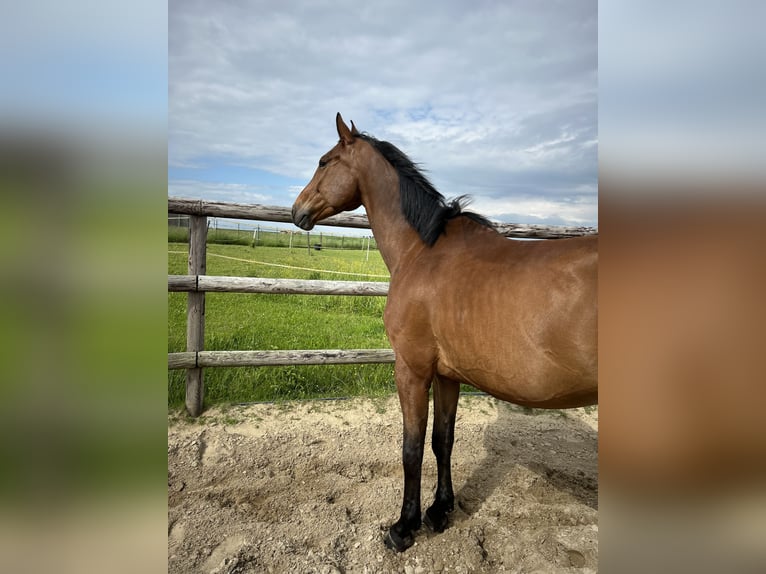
(413, 397)
(446, 393)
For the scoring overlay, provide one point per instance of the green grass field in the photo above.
(235, 321)
(269, 237)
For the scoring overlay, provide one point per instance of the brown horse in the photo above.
(517, 319)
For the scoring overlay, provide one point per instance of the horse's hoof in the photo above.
(398, 543)
(435, 525)
(436, 521)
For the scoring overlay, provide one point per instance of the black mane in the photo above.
(423, 207)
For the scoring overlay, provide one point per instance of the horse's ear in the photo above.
(343, 132)
(354, 131)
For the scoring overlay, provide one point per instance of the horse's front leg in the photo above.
(413, 397)
(446, 393)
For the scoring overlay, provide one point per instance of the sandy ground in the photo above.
(313, 487)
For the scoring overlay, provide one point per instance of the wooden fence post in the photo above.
(195, 313)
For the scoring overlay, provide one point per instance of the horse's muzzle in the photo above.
(302, 218)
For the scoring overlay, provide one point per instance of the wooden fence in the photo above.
(197, 283)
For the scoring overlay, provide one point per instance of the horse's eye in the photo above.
(322, 163)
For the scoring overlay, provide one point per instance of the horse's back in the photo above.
(517, 319)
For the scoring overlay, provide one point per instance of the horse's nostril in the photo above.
(302, 218)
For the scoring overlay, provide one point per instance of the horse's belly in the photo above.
(535, 380)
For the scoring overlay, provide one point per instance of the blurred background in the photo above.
(682, 436)
(83, 110)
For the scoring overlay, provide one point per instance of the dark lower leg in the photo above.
(413, 396)
(401, 533)
(446, 394)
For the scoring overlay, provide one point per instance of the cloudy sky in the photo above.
(494, 99)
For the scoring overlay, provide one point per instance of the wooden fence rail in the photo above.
(222, 284)
(255, 212)
(284, 215)
(278, 358)
(196, 283)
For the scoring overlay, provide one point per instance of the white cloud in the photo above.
(481, 92)
(581, 211)
(217, 191)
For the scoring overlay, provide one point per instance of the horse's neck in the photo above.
(395, 237)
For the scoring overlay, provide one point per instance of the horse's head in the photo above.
(334, 186)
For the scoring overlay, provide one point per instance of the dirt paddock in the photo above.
(313, 487)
